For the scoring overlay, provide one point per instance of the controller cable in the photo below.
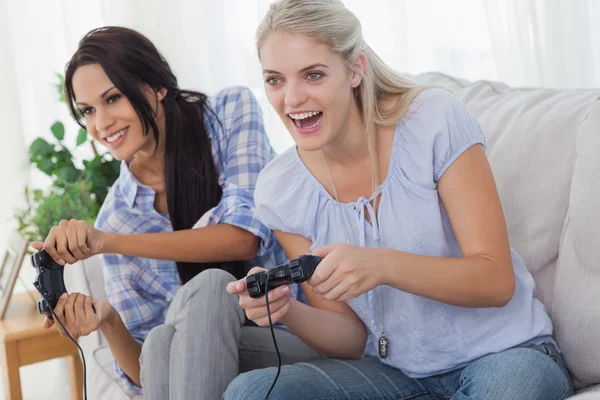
(272, 334)
(48, 303)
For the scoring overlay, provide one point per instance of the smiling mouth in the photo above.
(306, 120)
(114, 137)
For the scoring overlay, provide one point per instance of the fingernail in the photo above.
(61, 262)
(63, 296)
(286, 289)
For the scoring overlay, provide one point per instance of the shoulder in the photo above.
(278, 176)
(436, 105)
(436, 129)
(227, 99)
(435, 112)
(285, 193)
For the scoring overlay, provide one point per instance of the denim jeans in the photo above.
(525, 373)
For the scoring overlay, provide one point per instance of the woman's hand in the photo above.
(72, 241)
(345, 272)
(256, 309)
(77, 315)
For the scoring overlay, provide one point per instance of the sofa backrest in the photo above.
(544, 149)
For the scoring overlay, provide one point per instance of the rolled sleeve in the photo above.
(237, 208)
(245, 152)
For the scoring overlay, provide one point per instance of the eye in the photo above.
(272, 81)
(313, 76)
(86, 111)
(113, 98)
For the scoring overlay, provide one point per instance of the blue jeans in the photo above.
(527, 373)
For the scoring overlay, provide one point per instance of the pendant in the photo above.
(383, 347)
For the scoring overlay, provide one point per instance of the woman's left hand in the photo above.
(345, 272)
(78, 316)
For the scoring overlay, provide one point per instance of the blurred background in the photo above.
(210, 45)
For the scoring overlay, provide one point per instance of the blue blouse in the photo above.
(426, 337)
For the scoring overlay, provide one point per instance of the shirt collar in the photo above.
(134, 192)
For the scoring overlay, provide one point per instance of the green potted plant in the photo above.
(76, 192)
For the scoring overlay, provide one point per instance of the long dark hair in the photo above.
(131, 61)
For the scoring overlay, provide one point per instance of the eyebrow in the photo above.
(270, 71)
(103, 95)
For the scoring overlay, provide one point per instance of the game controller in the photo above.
(296, 271)
(49, 281)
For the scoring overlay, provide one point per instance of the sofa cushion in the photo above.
(109, 386)
(543, 146)
(576, 305)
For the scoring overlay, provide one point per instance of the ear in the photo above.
(359, 68)
(160, 94)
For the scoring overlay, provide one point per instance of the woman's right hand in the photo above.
(256, 309)
(72, 241)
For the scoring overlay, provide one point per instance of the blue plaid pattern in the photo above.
(141, 289)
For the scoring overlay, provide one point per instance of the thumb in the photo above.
(323, 251)
(37, 245)
(48, 323)
(236, 287)
(239, 286)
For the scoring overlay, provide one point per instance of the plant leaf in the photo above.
(82, 137)
(58, 130)
(40, 148)
(60, 87)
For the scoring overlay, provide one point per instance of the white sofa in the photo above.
(544, 148)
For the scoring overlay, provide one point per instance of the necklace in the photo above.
(383, 343)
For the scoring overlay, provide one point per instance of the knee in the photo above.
(519, 373)
(209, 286)
(156, 351)
(211, 280)
(251, 385)
(206, 295)
(157, 345)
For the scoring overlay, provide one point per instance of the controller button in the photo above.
(296, 275)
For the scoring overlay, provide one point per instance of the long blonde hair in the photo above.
(331, 23)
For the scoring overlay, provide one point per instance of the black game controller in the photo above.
(48, 281)
(296, 271)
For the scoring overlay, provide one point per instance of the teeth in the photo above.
(303, 115)
(117, 135)
(297, 122)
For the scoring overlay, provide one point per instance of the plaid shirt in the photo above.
(141, 289)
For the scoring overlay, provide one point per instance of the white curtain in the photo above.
(210, 44)
(552, 43)
(13, 163)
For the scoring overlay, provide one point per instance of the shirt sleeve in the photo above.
(462, 131)
(246, 152)
(437, 129)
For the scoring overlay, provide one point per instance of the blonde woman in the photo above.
(419, 294)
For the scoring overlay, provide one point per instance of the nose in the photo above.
(103, 120)
(294, 95)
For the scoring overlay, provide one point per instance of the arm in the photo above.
(483, 276)
(234, 232)
(80, 319)
(123, 346)
(138, 304)
(220, 242)
(330, 327)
